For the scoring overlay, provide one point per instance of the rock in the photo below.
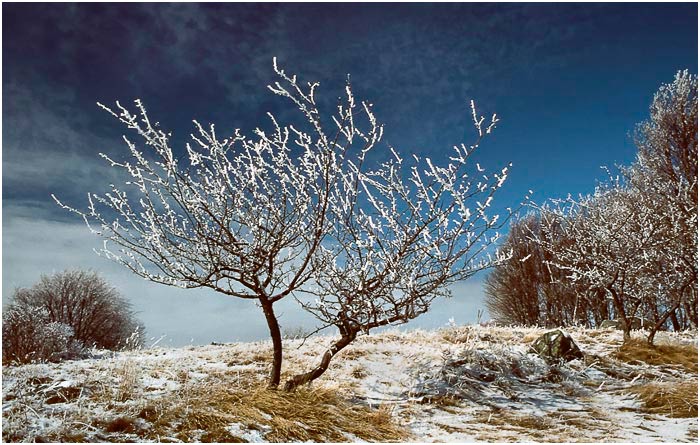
(557, 345)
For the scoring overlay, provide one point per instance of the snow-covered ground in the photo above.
(459, 384)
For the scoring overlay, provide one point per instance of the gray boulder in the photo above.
(557, 345)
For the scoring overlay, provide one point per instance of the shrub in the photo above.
(64, 313)
(29, 335)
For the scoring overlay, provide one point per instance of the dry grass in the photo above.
(128, 375)
(636, 350)
(351, 353)
(593, 333)
(530, 337)
(672, 399)
(507, 418)
(317, 415)
(359, 372)
(522, 427)
(457, 335)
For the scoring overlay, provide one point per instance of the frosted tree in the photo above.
(666, 175)
(400, 235)
(98, 315)
(670, 274)
(635, 238)
(667, 142)
(241, 215)
(29, 335)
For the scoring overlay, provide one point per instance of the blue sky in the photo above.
(569, 82)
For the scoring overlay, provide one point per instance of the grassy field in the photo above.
(460, 384)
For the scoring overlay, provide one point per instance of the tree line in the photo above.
(626, 252)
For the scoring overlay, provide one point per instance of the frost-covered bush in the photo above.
(29, 335)
(65, 313)
(494, 376)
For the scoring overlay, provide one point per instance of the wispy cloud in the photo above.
(48, 147)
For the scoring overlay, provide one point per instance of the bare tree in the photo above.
(512, 288)
(83, 302)
(525, 290)
(244, 216)
(400, 235)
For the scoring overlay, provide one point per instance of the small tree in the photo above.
(400, 235)
(65, 312)
(245, 217)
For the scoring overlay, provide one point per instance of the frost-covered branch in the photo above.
(243, 215)
(401, 234)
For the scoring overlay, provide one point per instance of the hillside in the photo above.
(459, 384)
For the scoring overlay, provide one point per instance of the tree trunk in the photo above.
(660, 322)
(621, 314)
(674, 322)
(308, 377)
(692, 311)
(276, 336)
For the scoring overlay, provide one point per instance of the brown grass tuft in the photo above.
(524, 427)
(457, 335)
(671, 399)
(530, 337)
(636, 350)
(317, 414)
(352, 354)
(128, 376)
(359, 372)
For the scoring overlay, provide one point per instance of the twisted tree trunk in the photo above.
(621, 313)
(300, 379)
(276, 336)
